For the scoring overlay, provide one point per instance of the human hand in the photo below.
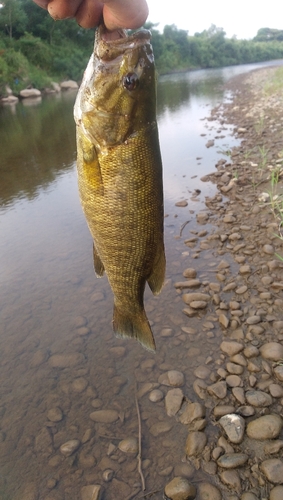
(116, 14)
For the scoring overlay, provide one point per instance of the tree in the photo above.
(13, 19)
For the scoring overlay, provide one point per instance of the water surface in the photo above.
(52, 304)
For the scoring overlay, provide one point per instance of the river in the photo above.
(59, 358)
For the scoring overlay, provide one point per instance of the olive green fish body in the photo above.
(120, 175)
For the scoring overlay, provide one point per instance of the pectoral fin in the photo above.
(91, 167)
(98, 264)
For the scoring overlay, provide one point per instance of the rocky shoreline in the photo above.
(35, 94)
(243, 394)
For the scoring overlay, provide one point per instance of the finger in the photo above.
(42, 3)
(59, 9)
(129, 14)
(89, 13)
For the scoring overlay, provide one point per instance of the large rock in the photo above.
(30, 93)
(69, 85)
(265, 427)
(272, 351)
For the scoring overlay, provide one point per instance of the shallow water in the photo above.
(51, 303)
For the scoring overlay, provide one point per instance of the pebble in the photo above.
(79, 384)
(68, 448)
(232, 460)
(190, 272)
(272, 351)
(276, 390)
(239, 394)
(185, 470)
(265, 427)
(241, 289)
(173, 401)
(180, 489)
(219, 389)
(258, 398)
(276, 493)
(231, 348)
(278, 371)
(233, 380)
(65, 360)
(253, 320)
(188, 298)
(234, 427)
(91, 492)
(207, 491)
(251, 351)
(155, 396)
(221, 410)
(232, 479)
(249, 495)
(192, 412)
(108, 475)
(160, 428)
(268, 249)
(129, 445)
(104, 416)
(172, 378)
(273, 470)
(234, 369)
(195, 444)
(273, 447)
(182, 203)
(55, 414)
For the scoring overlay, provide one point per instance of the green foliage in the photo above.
(33, 45)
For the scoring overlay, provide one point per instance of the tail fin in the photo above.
(134, 326)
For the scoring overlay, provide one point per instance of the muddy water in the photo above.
(59, 359)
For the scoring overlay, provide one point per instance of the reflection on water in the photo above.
(59, 359)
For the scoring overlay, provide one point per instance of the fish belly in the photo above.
(122, 198)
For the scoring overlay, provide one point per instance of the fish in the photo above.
(119, 170)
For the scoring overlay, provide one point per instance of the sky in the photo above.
(242, 18)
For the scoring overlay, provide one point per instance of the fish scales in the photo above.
(120, 175)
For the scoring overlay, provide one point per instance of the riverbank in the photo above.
(241, 393)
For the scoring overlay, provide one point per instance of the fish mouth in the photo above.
(119, 38)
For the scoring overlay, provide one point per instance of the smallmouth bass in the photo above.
(120, 174)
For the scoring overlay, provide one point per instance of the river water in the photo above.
(59, 358)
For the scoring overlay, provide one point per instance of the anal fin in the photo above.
(134, 326)
(98, 264)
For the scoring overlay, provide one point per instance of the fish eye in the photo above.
(130, 81)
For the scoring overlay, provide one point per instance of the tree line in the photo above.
(34, 49)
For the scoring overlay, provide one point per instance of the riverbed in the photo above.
(62, 370)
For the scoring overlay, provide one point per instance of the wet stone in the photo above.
(182, 203)
(68, 448)
(160, 428)
(184, 470)
(173, 401)
(268, 249)
(265, 427)
(172, 378)
(273, 470)
(79, 384)
(104, 416)
(65, 360)
(190, 272)
(273, 447)
(129, 445)
(232, 460)
(91, 492)
(155, 396)
(192, 412)
(202, 372)
(55, 414)
(258, 398)
(195, 444)
(234, 427)
(180, 489)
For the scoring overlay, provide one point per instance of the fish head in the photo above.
(118, 93)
